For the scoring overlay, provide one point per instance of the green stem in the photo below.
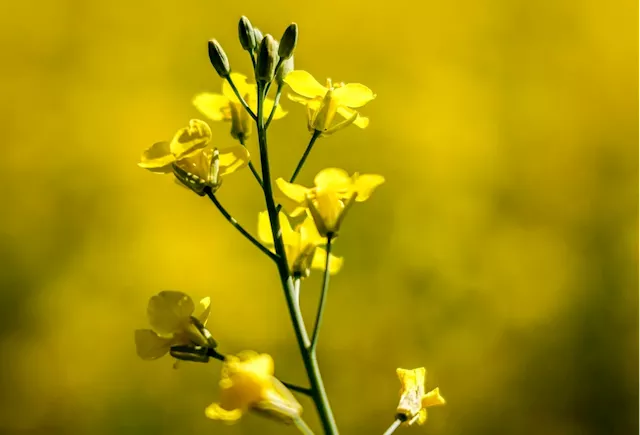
(310, 362)
(276, 101)
(244, 103)
(251, 166)
(393, 427)
(239, 227)
(316, 135)
(302, 426)
(323, 296)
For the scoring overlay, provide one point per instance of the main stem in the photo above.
(310, 362)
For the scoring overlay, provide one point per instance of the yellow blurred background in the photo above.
(501, 254)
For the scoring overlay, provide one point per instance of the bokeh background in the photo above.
(502, 253)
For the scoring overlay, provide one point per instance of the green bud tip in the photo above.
(288, 41)
(285, 68)
(246, 34)
(267, 59)
(218, 58)
(259, 36)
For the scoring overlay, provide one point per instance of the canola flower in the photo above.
(302, 244)
(248, 384)
(330, 199)
(174, 321)
(227, 106)
(192, 161)
(413, 404)
(324, 102)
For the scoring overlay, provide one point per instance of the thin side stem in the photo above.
(323, 296)
(253, 59)
(316, 135)
(251, 166)
(310, 363)
(239, 227)
(393, 427)
(302, 426)
(276, 101)
(244, 103)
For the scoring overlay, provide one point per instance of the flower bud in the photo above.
(285, 68)
(259, 36)
(288, 41)
(267, 59)
(246, 34)
(218, 58)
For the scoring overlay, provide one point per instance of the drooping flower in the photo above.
(413, 400)
(330, 199)
(248, 384)
(302, 245)
(323, 102)
(227, 106)
(171, 316)
(194, 162)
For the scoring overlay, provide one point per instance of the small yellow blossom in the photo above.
(302, 245)
(227, 106)
(323, 102)
(330, 199)
(413, 400)
(170, 316)
(248, 384)
(194, 162)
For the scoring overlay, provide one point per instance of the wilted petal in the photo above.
(233, 158)
(217, 412)
(278, 402)
(353, 95)
(303, 83)
(168, 311)
(191, 138)
(157, 158)
(433, 398)
(291, 196)
(365, 184)
(149, 346)
(213, 106)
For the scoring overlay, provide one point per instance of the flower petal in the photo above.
(157, 158)
(433, 398)
(353, 95)
(149, 345)
(361, 121)
(299, 99)
(264, 228)
(320, 259)
(243, 87)
(191, 138)
(217, 412)
(203, 310)
(233, 158)
(303, 83)
(212, 105)
(334, 179)
(279, 403)
(309, 233)
(291, 196)
(365, 184)
(268, 106)
(168, 311)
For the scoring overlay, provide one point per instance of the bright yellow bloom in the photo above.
(194, 162)
(248, 384)
(169, 314)
(330, 199)
(323, 102)
(413, 400)
(227, 107)
(302, 245)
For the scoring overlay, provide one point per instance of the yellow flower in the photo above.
(193, 161)
(413, 400)
(302, 245)
(170, 316)
(330, 199)
(248, 384)
(227, 107)
(323, 102)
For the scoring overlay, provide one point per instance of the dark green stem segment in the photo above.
(251, 166)
(239, 227)
(323, 296)
(316, 135)
(212, 353)
(393, 427)
(310, 362)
